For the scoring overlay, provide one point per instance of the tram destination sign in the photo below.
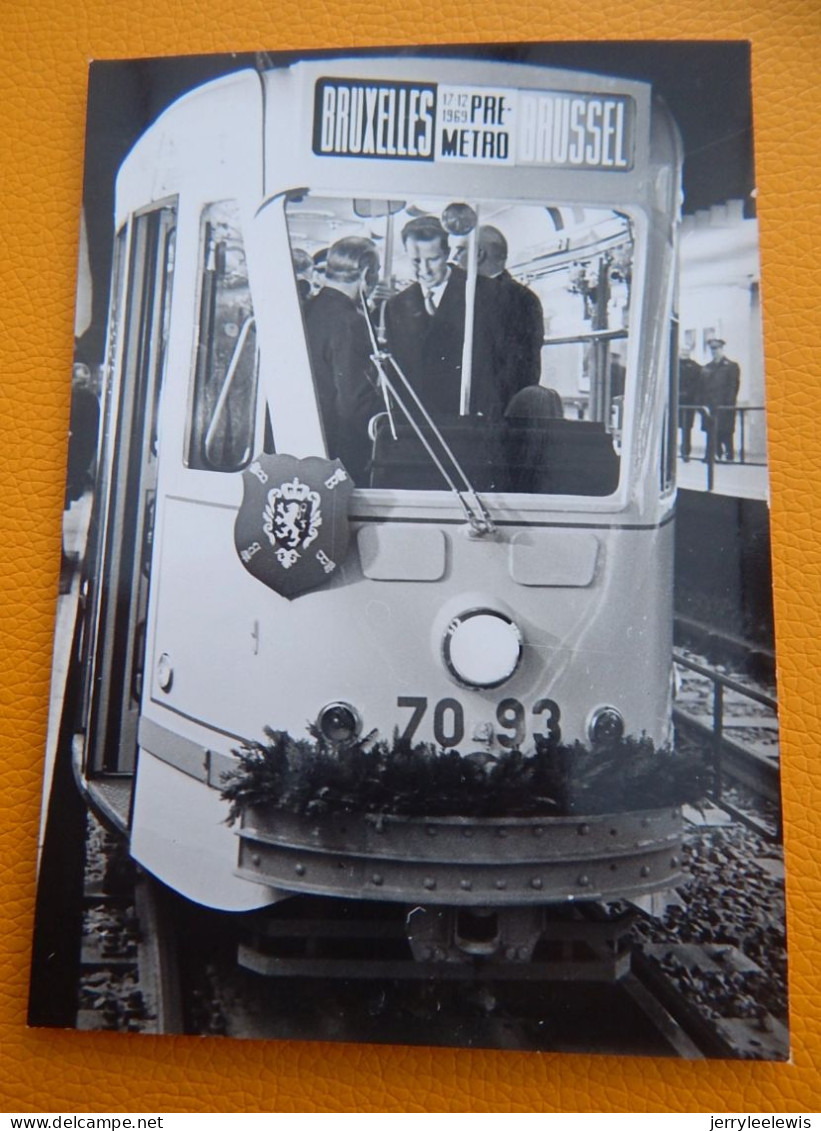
(473, 125)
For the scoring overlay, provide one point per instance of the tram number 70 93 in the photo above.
(449, 720)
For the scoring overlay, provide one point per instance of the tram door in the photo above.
(141, 320)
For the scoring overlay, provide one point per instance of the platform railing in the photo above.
(707, 420)
(757, 773)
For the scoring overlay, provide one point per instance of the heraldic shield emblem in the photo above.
(292, 528)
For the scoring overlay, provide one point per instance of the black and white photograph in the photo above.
(414, 670)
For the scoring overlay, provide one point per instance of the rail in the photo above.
(756, 659)
(755, 771)
(734, 436)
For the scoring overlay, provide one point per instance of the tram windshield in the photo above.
(498, 330)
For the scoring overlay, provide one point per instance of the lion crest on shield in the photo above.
(291, 520)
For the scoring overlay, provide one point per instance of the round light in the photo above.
(338, 722)
(459, 219)
(482, 648)
(606, 725)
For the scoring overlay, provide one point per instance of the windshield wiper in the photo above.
(476, 513)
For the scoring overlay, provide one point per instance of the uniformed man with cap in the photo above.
(721, 379)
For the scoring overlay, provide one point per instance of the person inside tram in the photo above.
(521, 320)
(618, 375)
(340, 352)
(320, 259)
(425, 326)
(529, 449)
(303, 270)
(536, 402)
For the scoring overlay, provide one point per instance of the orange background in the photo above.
(45, 47)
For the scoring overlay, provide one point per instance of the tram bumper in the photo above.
(465, 861)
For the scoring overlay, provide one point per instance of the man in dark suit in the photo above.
(521, 320)
(721, 379)
(340, 352)
(425, 327)
(303, 270)
(689, 395)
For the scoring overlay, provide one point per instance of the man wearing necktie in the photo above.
(425, 327)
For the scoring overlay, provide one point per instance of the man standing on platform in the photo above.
(721, 379)
(689, 395)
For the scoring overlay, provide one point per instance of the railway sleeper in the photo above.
(762, 1037)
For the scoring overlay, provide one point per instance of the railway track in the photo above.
(722, 951)
(596, 985)
(734, 722)
(718, 647)
(128, 963)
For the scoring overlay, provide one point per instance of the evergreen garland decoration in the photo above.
(312, 777)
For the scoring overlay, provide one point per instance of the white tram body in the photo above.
(188, 655)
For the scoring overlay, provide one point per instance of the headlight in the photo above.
(482, 648)
(606, 725)
(339, 722)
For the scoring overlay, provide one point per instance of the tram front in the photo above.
(507, 587)
(452, 562)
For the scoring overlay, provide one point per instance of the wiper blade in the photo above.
(476, 513)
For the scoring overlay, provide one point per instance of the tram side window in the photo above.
(222, 425)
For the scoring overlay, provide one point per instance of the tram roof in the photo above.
(208, 140)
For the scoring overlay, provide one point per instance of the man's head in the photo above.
(426, 244)
(716, 347)
(684, 353)
(320, 258)
(492, 251)
(303, 264)
(352, 265)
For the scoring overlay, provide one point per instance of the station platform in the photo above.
(738, 480)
